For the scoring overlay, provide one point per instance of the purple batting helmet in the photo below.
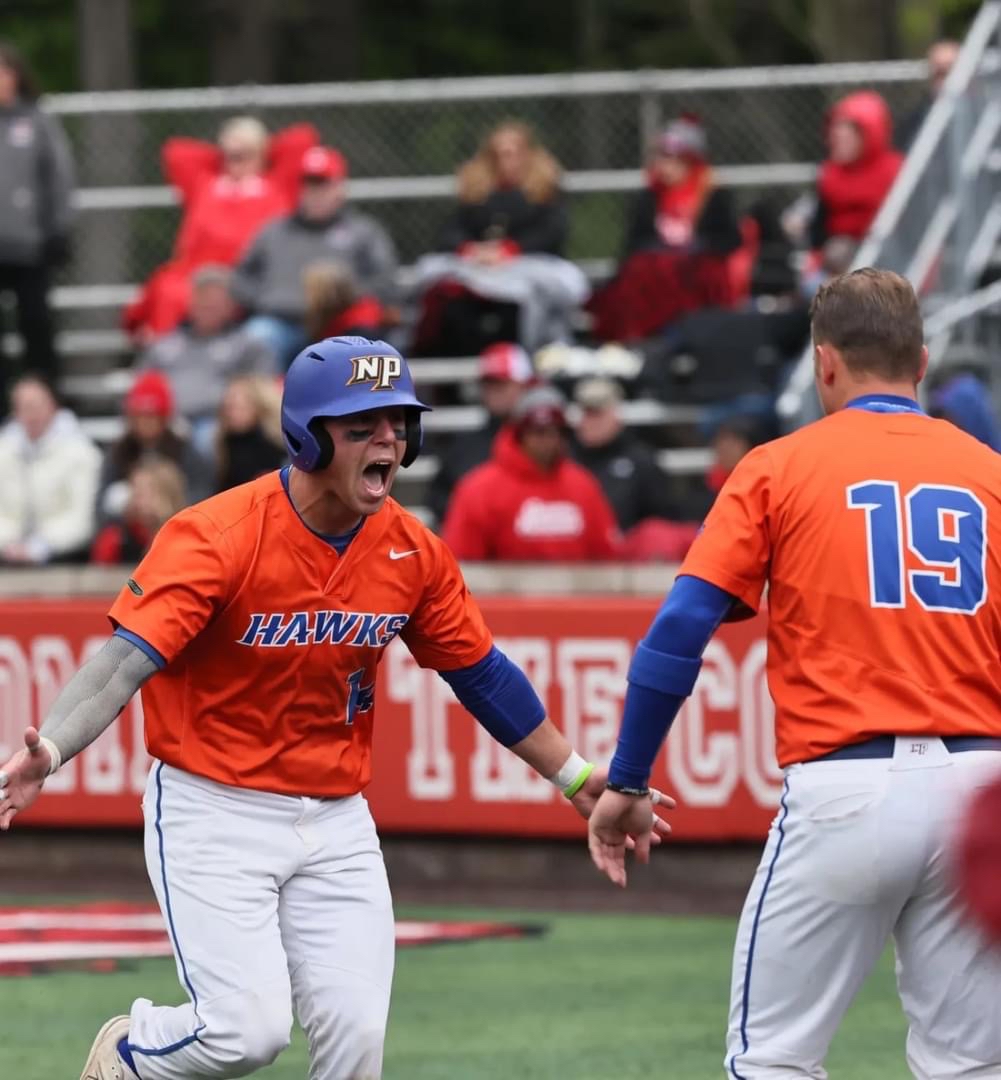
(339, 376)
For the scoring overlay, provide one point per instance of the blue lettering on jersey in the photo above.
(334, 626)
(262, 629)
(360, 698)
(297, 631)
(279, 629)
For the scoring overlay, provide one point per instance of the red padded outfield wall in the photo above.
(435, 769)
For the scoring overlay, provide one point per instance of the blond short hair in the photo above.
(246, 130)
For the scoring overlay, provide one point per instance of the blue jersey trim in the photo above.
(339, 542)
(141, 643)
(885, 403)
(754, 933)
(168, 911)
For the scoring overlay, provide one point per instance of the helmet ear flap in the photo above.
(324, 442)
(415, 437)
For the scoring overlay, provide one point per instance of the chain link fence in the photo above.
(404, 140)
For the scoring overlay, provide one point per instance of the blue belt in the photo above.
(882, 746)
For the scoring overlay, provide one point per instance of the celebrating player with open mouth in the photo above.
(876, 530)
(255, 626)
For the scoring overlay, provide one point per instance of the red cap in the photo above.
(151, 393)
(323, 162)
(506, 361)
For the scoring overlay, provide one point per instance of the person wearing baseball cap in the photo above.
(324, 227)
(530, 501)
(682, 231)
(149, 433)
(505, 371)
(625, 467)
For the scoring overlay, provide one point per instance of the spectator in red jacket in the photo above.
(531, 502)
(227, 192)
(859, 171)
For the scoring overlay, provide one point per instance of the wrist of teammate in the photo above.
(572, 775)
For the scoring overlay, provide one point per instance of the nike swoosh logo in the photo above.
(394, 554)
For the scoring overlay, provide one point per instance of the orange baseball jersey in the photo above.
(272, 640)
(879, 536)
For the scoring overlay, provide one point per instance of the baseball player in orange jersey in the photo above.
(255, 625)
(876, 530)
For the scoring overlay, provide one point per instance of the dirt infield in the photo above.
(681, 879)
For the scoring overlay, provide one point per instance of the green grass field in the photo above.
(598, 997)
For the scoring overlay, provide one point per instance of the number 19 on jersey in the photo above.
(944, 527)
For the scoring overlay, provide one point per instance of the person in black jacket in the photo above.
(36, 185)
(509, 200)
(678, 247)
(681, 207)
(505, 374)
(626, 469)
(248, 440)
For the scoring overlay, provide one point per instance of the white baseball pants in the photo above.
(860, 851)
(272, 904)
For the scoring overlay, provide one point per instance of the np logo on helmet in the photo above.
(380, 371)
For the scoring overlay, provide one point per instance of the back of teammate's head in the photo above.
(338, 377)
(873, 319)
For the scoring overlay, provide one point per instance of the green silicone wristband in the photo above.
(578, 781)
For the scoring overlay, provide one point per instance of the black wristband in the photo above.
(625, 789)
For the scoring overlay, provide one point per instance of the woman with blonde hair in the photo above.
(249, 436)
(499, 274)
(509, 199)
(156, 491)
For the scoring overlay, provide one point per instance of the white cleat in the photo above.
(104, 1062)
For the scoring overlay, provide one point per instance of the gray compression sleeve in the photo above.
(97, 693)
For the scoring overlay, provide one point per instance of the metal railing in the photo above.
(941, 221)
(404, 139)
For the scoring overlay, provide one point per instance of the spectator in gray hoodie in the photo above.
(205, 352)
(269, 280)
(36, 185)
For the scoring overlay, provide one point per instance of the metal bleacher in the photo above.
(765, 126)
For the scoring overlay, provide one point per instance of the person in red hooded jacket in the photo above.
(227, 193)
(859, 171)
(531, 502)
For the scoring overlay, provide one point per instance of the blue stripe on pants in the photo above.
(193, 1037)
(754, 933)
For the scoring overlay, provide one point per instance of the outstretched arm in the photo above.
(87, 706)
(498, 694)
(662, 674)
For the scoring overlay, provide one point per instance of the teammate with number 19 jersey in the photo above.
(876, 531)
(877, 579)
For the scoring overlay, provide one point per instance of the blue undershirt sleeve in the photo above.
(663, 672)
(498, 694)
(142, 643)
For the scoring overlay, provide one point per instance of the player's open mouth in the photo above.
(375, 477)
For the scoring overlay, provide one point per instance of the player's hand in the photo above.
(656, 828)
(616, 823)
(21, 777)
